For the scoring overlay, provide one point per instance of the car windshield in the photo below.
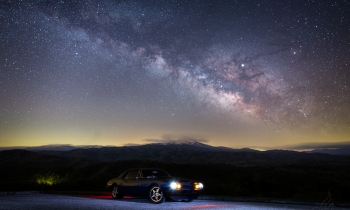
(153, 173)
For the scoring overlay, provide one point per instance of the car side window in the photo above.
(125, 176)
(132, 174)
(154, 173)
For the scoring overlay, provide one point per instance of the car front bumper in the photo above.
(183, 194)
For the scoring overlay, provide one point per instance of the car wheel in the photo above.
(116, 193)
(155, 195)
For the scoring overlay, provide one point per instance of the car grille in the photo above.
(186, 185)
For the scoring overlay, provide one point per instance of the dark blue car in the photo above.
(155, 184)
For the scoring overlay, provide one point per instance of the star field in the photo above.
(233, 73)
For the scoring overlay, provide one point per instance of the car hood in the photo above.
(176, 179)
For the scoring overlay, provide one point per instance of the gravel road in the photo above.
(51, 201)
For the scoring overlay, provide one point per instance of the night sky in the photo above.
(259, 74)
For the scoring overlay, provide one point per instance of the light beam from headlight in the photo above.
(198, 186)
(175, 185)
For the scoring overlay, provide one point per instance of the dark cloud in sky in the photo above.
(176, 139)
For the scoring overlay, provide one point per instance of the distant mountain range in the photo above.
(343, 150)
(337, 151)
(54, 147)
(186, 152)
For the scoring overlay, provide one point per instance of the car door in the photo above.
(131, 183)
(149, 177)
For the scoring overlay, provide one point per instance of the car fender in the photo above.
(112, 182)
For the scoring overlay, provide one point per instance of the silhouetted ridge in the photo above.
(196, 153)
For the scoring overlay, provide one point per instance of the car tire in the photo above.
(155, 195)
(116, 193)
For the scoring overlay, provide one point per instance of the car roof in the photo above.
(131, 169)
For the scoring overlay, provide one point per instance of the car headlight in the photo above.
(198, 186)
(175, 185)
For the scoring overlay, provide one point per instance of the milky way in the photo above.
(119, 72)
